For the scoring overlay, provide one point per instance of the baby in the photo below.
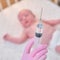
(29, 23)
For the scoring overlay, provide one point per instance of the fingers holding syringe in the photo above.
(41, 54)
(39, 49)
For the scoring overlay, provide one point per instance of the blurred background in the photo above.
(5, 3)
(57, 2)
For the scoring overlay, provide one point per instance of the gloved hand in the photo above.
(38, 53)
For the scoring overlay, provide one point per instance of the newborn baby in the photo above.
(29, 23)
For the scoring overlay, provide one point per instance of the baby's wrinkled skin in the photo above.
(29, 22)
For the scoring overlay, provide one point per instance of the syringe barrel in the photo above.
(39, 29)
(38, 34)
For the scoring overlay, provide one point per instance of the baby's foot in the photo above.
(57, 49)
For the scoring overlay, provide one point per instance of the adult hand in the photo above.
(38, 53)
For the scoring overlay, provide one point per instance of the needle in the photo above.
(41, 14)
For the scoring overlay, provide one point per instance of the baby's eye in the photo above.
(26, 15)
(20, 19)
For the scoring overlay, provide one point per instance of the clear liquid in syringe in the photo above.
(39, 31)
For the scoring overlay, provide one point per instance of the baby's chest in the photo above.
(31, 32)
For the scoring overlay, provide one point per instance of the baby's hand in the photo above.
(6, 37)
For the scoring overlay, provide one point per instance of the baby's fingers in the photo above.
(5, 36)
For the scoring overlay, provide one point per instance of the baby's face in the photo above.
(26, 18)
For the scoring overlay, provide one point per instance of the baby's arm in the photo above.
(17, 40)
(48, 30)
(52, 22)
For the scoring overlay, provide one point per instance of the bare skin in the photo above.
(29, 22)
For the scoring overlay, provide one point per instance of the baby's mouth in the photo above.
(26, 22)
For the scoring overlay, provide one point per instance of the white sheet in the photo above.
(9, 24)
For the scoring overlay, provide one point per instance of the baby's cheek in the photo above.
(23, 24)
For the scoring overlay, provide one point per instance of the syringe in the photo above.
(39, 31)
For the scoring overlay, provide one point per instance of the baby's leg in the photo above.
(57, 48)
(47, 34)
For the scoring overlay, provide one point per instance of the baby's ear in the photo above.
(34, 16)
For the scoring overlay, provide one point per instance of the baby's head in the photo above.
(26, 17)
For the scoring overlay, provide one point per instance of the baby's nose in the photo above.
(24, 17)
